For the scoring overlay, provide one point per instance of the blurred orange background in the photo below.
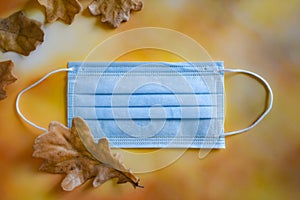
(261, 36)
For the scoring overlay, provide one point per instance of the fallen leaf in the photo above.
(61, 9)
(114, 11)
(65, 150)
(20, 34)
(6, 77)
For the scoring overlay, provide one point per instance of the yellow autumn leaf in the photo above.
(64, 151)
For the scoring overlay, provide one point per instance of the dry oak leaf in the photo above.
(64, 151)
(61, 9)
(6, 77)
(114, 11)
(20, 34)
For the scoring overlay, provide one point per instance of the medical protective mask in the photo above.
(151, 104)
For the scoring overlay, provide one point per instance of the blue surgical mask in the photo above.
(150, 104)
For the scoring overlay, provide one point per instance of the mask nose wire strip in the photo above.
(270, 103)
(32, 86)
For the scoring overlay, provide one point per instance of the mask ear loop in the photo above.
(30, 87)
(270, 102)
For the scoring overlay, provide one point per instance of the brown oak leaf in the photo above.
(67, 151)
(20, 34)
(114, 11)
(61, 9)
(6, 77)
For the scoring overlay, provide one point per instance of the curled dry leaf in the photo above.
(114, 11)
(61, 9)
(20, 34)
(65, 150)
(6, 77)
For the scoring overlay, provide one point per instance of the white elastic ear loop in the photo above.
(30, 87)
(262, 116)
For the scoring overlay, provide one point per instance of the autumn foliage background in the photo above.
(261, 36)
